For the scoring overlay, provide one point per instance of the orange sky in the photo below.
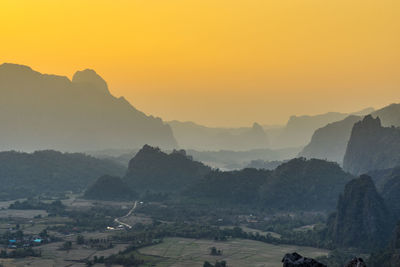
(217, 62)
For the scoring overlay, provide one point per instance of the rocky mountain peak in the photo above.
(90, 77)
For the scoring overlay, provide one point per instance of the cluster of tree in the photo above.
(54, 207)
(217, 264)
(158, 231)
(96, 218)
(67, 245)
(26, 175)
(215, 252)
(98, 243)
(285, 223)
(193, 210)
(20, 253)
(128, 257)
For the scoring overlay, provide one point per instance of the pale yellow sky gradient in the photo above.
(217, 62)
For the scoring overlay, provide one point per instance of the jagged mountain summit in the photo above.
(372, 147)
(153, 170)
(48, 111)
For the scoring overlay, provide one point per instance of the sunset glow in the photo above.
(217, 62)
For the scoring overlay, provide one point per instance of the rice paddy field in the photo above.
(180, 252)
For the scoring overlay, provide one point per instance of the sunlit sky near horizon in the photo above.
(217, 62)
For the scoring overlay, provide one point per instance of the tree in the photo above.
(67, 245)
(220, 264)
(80, 240)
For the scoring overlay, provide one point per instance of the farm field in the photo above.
(180, 252)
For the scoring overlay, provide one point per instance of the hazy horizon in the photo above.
(264, 123)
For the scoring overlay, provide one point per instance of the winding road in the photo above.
(117, 220)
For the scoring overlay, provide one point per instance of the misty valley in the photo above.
(89, 180)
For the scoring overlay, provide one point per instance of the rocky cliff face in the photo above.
(372, 147)
(388, 184)
(330, 142)
(47, 111)
(362, 219)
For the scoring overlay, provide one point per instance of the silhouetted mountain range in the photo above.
(372, 147)
(40, 111)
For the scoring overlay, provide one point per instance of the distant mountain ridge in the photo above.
(296, 133)
(372, 147)
(48, 111)
(195, 136)
(299, 129)
(330, 141)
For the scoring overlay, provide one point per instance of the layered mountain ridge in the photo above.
(330, 141)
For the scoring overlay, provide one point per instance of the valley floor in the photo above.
(180, 252)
